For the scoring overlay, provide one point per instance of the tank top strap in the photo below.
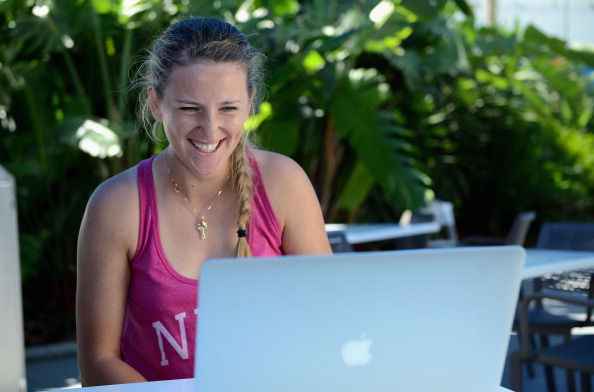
(146, 194)
(264, 230)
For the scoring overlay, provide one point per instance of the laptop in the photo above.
(428, 320)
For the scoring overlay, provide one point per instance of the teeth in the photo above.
(205, 147)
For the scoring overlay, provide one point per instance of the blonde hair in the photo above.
(242, 179)
(190, 41)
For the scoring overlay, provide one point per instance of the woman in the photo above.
(147, 231)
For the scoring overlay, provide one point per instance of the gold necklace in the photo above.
(202, 225)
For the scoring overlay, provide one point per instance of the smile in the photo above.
(205, 147)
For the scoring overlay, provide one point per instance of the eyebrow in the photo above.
(229, 102)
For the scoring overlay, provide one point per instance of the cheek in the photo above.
(179, 122)
(236, 125)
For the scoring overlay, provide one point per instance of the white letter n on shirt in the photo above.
(161, 331)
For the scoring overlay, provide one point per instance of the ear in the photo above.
(250, 103)
(154, 104)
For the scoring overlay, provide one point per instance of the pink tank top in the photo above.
(158, 338)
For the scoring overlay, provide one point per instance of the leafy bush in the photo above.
(382, 102)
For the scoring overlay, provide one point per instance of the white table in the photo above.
(358, 233)
(540, 262)
(186, 385)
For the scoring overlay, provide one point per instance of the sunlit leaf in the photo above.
(382, 12)
(283, 7)
(102, 6)
(313, 62)
(130, 9)
(93, 136)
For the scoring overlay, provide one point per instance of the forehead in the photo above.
(221, 74)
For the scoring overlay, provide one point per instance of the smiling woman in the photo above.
(203, 109)
(147, 231)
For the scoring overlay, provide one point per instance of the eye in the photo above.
(188, 109)
(228, 108)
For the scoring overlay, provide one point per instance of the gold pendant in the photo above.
(202, 226)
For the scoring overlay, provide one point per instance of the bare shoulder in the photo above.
(284, 179)
(278, 169)
(119, 192)
(295, 204)
(112, 212)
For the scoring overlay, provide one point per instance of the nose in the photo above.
(207, 125)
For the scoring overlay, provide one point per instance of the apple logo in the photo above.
(357, 352)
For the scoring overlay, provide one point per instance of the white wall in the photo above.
(570, 20)
(12, 357)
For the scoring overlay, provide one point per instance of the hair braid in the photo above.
(243, 183)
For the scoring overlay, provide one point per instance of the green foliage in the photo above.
(331, 112)
(520, 125)
(381, 102)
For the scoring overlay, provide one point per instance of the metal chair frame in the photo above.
(573, 354)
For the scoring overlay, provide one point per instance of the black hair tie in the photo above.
(241, 233)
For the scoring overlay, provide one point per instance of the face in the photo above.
(203, 109)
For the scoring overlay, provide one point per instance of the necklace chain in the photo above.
(202, 225)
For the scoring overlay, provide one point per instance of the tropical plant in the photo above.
(382, 103)
(333, 112)
(516, 130)
(66, 126)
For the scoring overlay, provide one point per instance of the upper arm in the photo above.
(107, 239)
(295, 204)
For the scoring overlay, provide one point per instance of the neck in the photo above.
(198, 191)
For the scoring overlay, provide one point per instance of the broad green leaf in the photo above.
(280, 135)
(411, 65)
(357, 188)
(584, 55)
(448, 56)
(358, 122)
(464, 7)
(587, 114)
(535, 35)
(426, 10)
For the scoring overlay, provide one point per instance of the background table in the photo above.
(540, 262)
(358, 233)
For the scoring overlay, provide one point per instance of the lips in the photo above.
(205, 147)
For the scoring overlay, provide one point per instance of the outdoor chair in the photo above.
(516, 235)
(573, 354)
(443, 213)
(339, 242)
(541, 322)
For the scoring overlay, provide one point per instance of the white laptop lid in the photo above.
(414, 320)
